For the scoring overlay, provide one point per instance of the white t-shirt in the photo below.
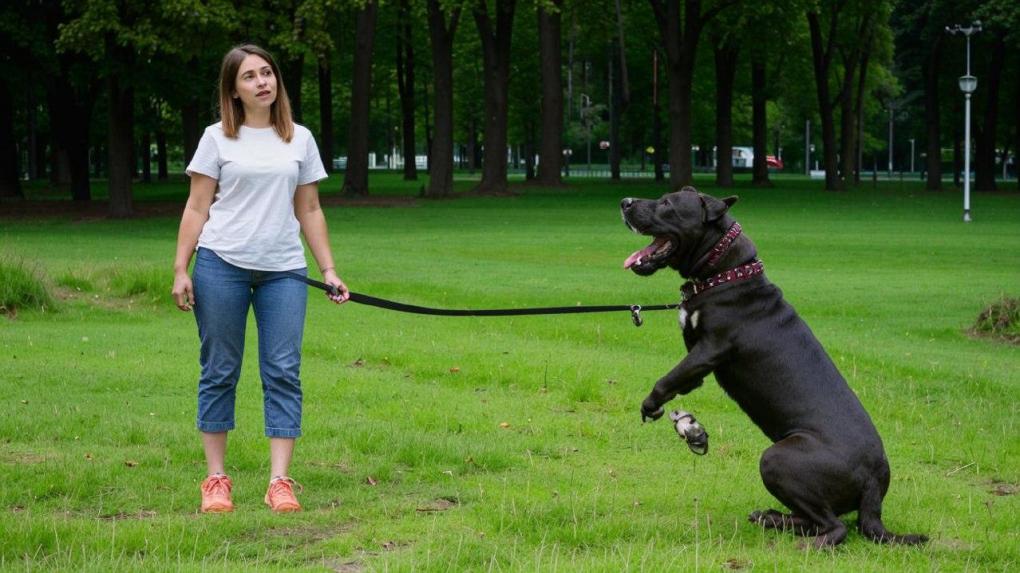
(251, 221)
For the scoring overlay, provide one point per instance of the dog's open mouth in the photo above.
(660, 249)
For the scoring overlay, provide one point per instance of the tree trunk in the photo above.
(293, 75)
(405, 87)
(496, 60)
(146, 156)
(70, 108)
(34, 165)
(441, 35)
(326, 137)
(551, 146)
(821, 59)
(10, 178)
(190, 127)
(680, 34)
(856, 56)
(932, 118)
(957, 143)
(859, 115)
(161, 169)
(658, 155)
(356, 177)
(725, 75)
(984, 156)
(120, 141)
(759, 124)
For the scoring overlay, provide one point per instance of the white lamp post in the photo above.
(968, 84)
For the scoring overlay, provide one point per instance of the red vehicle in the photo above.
(773, 162)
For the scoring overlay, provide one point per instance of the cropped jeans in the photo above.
(223, 294)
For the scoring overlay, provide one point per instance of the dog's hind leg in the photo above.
(794, 470)
(869, 516)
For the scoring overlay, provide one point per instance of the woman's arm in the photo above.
(196, 213)
(313, 226)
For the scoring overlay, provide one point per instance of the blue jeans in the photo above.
(223, 294)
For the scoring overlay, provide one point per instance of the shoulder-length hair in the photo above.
(231, 109)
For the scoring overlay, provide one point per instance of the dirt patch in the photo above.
(441, 504)
(23, 458)
(122, 516)
(1002, 488)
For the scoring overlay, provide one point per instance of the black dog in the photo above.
(827, 458)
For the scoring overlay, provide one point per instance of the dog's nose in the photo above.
(626, 203)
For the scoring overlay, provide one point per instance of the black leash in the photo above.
(635, 310)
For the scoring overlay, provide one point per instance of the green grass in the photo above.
(507, 443)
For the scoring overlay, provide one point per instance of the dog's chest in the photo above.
(689, 320)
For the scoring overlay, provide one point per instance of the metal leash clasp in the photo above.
(635, 314)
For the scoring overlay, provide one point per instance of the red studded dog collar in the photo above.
(694, 287)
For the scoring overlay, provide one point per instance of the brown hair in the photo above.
(231, 109)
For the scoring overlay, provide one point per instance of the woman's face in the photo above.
(255, 85)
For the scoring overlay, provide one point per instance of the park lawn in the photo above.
(457, 444)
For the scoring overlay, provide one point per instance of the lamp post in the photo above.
(911, 155)
(968, 84)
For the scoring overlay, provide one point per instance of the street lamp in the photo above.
(968, 84)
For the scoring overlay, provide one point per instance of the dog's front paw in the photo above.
(690, 431)
(651, 410)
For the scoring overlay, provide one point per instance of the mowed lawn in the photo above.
(507, 444)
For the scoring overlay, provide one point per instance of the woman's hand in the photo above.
(183, 292)
(329, 277)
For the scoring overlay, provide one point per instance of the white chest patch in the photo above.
(694, 318)
(683, 318)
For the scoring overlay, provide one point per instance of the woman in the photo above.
(254, 186)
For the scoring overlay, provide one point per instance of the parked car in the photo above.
(773, 162)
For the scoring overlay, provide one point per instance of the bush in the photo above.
(1000, 320)
(150, 282)
(22, 288)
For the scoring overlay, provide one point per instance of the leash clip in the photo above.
(635, 314)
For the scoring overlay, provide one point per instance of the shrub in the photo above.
(150, 282)
(21, 287)
(1000, 320)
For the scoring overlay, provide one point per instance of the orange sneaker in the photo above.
(280, 496)
(216, 494)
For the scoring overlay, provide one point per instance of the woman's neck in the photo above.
(257, 118)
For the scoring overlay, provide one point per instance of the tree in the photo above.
(680, 32)
(836, 54)
(356, 177)
(442, 30)
(495, 39)
(551, 55)
(725, 39)
(405, 86)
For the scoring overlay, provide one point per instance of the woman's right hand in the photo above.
(183, 293)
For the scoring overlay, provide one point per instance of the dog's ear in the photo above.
(716, 208)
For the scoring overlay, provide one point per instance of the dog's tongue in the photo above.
(647, 251)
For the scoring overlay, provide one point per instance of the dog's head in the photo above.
(678, 222)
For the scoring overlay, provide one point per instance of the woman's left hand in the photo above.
(330, 278)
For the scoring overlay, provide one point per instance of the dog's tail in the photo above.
(869, 520)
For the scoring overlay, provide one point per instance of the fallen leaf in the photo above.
(88, 457)
(371, 481)
(504, 425)
(455, 369)
(131, 463)
(358, 363)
